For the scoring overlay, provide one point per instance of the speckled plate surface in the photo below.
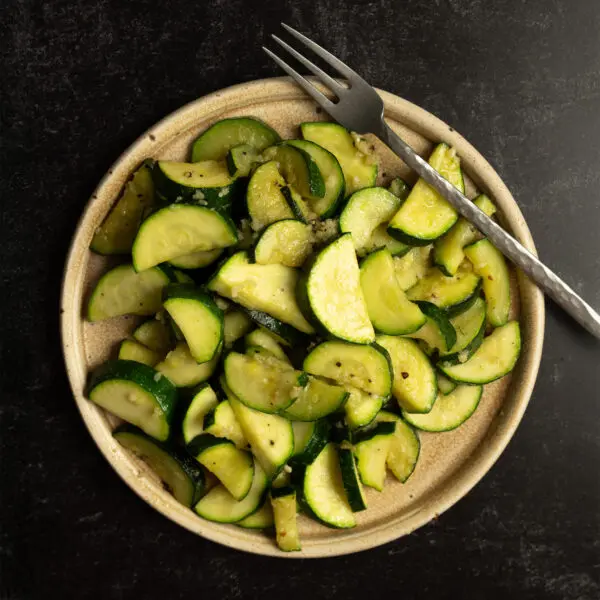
(450, 463)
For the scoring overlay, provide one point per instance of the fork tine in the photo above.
(318, 72)
(302, 82)
(336, 63)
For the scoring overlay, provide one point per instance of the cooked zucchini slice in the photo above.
(491, 266)
(351, 480)
(202, 403)
(448, 251)
(286, 242)
(265, 200)
(415, 383)
(438, 331)
(496, 357)
(266, 288)
(118, 230)
(122, 291)
(366, 216)
(220, 506)
(198, 318)
(196, 260)
(426, 215)
(241, 160)
(263, 339)
(445, 385)
(283, 502)
(298, 169)
(282, 332)
(221, 422)
(261, 519)
(371, 448)
(236, 325)
(332, 293)
(137, 394)
(234, 468)
(333, 177)
(309, 439)
(316, 400)
(366, 367)
(179, 474)
(207, 183)
(453, 294)
(154, 334)
(390, 311)
(132, 350)
(399, 188)
(182, 369)
(470, 330)
(360, 169)
(262, 383)
(323, 490)
(404, 447)
(449, 411)
(361, 408)
(412, 267)
(270, 436)
(222, 136)
(180, 229)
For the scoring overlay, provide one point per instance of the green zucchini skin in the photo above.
(145, 377)
(189, 468)
(351, 480)
(222, 136)
(316, 443)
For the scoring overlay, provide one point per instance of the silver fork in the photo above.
(361, 109)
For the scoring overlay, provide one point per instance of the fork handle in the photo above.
(545, 278)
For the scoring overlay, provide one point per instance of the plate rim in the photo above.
(281, 88)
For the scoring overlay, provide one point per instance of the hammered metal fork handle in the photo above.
(546, 279)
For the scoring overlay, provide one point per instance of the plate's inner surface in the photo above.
(443, 455)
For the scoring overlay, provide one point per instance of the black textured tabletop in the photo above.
(80, 80)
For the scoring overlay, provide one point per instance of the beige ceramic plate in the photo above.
(450, 463)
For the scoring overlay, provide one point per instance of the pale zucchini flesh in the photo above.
(221, 422)
(334, 294)
(449, 410)
(323, 490)
(118, 230)
(371, 455)
(333, 177)
(286, 525)
(491, 266)
(261, 383)
(412, 267)
(415, 383)
(266, 288)
(449, 249)
(365, 213)
(390, 311)
(220, 506)
(495, 358)
(359, 168)
(180, 367)
(453, 294)
(286, 242)
(204, 400)
(362, 366)
(180, 229)
(132, 350)
(404, 450)
(425, 215)
(271, 437)
(123, 291)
